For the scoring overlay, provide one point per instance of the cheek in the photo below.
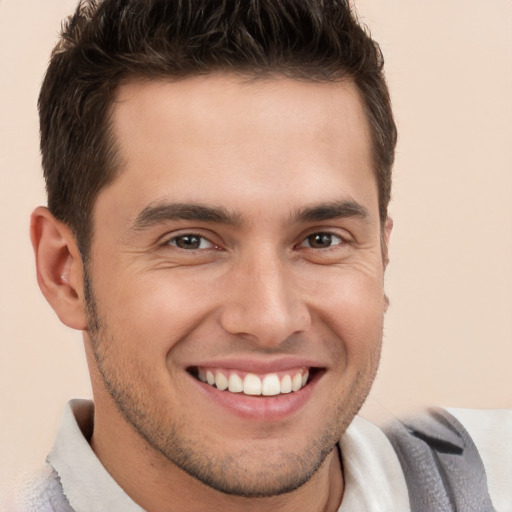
(152, 312)
(352, 306)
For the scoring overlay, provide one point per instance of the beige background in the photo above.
(449, 329)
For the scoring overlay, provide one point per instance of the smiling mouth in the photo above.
(251, 384)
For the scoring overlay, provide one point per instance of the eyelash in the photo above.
(341, 241)
(331, 235)
(190, 235)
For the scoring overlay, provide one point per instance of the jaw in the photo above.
(209, 460)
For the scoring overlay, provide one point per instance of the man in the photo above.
(218, 178)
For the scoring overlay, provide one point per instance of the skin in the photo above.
(258, 287)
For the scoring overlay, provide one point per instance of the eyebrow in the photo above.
(332, 210)
(158, 213)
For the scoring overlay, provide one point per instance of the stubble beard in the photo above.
(171, 438)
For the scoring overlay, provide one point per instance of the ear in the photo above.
(59, 267)
(385, 237)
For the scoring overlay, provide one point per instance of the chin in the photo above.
(251, 473)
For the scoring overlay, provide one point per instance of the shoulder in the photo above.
(44, 493)
(455, 459)
(491, 431)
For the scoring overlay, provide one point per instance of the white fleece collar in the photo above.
(374, 481)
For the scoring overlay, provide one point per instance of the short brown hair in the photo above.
(107, 42)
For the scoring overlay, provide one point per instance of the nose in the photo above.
(265, 302)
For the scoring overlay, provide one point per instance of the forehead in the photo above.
(219, 138)
(257, 110)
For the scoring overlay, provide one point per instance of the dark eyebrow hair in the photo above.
(334, 210)
(161, 212)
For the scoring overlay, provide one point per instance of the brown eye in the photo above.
(321, 241)
(190, 242)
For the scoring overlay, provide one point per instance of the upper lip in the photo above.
(259, 365)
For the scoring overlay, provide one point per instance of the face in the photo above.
(236, 277)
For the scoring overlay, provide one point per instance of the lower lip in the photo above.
(259, 408)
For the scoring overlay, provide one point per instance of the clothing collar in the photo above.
(374, 481)
(86, 483)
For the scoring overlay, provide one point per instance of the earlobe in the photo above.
(59, 267)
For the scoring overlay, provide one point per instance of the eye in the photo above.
(322, 241)
(191, 242)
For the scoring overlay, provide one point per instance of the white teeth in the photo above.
(220, 381)
(286, 384)
(252, 384)
(271, 385)
(297, 382)
(236, 384)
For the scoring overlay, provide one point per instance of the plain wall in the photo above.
(448, 336)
